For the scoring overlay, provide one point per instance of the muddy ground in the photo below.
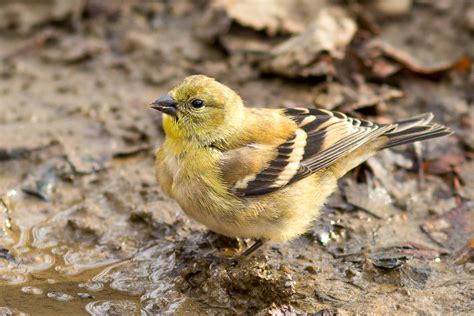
(84, 227)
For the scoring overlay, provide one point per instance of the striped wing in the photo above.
(321, 138)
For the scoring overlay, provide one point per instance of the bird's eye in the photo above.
(197, 103)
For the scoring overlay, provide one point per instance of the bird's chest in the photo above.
(188, 177)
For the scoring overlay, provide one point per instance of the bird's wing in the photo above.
(321, 137)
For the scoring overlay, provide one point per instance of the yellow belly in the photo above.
(280, 215)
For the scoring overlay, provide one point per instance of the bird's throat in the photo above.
(171, 127)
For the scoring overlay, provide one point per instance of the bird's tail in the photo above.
(414, 129)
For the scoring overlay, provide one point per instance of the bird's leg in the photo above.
(252, 248)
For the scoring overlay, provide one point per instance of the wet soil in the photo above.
(84, 227)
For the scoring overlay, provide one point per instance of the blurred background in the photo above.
(85, 228)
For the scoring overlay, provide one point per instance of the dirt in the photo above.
(84, 227)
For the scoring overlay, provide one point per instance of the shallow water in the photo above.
(46, 295)
(42, 281)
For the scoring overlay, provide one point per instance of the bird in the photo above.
(263, 173)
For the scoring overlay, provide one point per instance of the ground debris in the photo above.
(414, 45)
(384, 167)
(466, 172)
(14, 145)
(374, 200)
(415, 275)
(312, 52)
(442, 157)
(88, 146)
(408, 266)
(75, 50)
(272, 17)
(427, 64)
(466, 253)
(42, 181)
(393, 7)
(454, 229)
(5, 254)
(23, 17)
(333, 95)
(395, 256)
(282, 310)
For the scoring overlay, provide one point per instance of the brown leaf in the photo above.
(278, 16)
(375, 201)
(76, 50)
(443, 164)
(394, 256)
(312, 52)
(466, 253)
(334, 95)
(419, 61)
(424, 45)
(453, 229)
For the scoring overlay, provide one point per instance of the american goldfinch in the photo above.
(258, 172)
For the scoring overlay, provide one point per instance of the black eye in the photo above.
(197, 103)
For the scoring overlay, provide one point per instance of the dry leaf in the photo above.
(311, 53)
(271, 16)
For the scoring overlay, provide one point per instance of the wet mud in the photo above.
(85, 229)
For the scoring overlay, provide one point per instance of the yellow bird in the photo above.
(263, 173)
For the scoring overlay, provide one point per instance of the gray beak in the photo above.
(165, 104)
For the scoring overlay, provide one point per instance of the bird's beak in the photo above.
(165, 104)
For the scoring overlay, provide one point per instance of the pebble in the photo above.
(61, 297)
(31, 290)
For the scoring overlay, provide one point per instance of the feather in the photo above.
(320, 138)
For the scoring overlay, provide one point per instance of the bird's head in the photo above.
(200, 108)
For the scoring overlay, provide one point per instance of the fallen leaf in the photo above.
(383, 67)
(466, 173)
(422, 61)
(384, 165)
(312, 52)
(76, 50)
(444, 164)
(278, 16)
(333, 95)
(453, 229)
(415, 46)
(466, 253)
(375, 201)
(393, 7)
(394, 256)
(24, 17)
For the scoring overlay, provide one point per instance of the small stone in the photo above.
(31, 290)
(469, 19)
(285, 269)
(92, 286)
(61, 297)
(310, 269)
(405, 291)
(85, 295)
(393, 7)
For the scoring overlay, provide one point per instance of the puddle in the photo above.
(54, 278)
(54, 297)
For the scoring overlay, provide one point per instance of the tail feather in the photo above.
(403, 132)
(415, 129)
